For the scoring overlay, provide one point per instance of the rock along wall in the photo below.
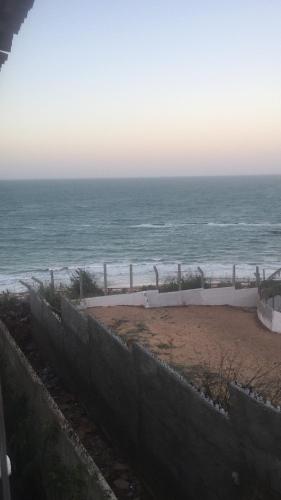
(185, 445)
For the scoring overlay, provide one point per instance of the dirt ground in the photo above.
(196, 339)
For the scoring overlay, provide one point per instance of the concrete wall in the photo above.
(44, 421)
(122, 299)
(257, 427)
(214, 296)
(113, 378)
(246, 297)
(185, 445)
(183, 436)
(268, 316)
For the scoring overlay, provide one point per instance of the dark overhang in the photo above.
(12, 15)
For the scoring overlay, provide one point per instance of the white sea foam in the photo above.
(247, 224)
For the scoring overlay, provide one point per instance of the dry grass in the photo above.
(215, 381)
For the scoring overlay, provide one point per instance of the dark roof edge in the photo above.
(12, 15)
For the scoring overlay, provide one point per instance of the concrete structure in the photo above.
(12, 15)
(268, 315)
(57, 448)
(245, 297)
(185, 444)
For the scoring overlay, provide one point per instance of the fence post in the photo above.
(156, 277)
(263, 274)
(37, 281)
(234, 275)
(52, 281)
(131, 278)
(179, 276)
(105, 278)
(81, 284)
(202, 277)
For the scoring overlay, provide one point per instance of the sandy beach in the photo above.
(196, 339)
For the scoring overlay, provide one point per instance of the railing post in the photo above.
(81, 284)
(52, 281)
(3, 453)
(179, 276)
(131, 278)
(233, 275)
(257, 276)
(202, 277)
(156, 277)
(105, 278)
(39, 282)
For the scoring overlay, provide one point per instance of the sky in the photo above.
(143, 88)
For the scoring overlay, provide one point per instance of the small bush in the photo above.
(90, 286)
(214, 381)
(188, 282)
(270, 288)
(8, 301)
(52, 296)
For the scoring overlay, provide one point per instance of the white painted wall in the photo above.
(122, 299)
(268, 317)
(246, 297)
(276, 322)
(211, 297)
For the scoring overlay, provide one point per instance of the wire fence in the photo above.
(135, 277)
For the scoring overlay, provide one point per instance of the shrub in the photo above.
(90, 286)
(270, 288)
(52, 296)
(188, 282)
(214, 381)
(8, 301)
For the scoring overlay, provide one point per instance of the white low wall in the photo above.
(210, 297)
(246, 297)
(122, 299)
(268, 316)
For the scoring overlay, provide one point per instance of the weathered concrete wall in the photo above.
(246, 297)
(268, 316)
(184, 438)
(190, 445)
(56, 444)
(257, 427)
(113, 377)
(122, 299)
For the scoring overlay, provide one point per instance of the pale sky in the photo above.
(143, 88)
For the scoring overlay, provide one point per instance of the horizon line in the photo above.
(135, 177)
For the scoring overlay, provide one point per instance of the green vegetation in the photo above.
(90, 286)
(52, 296)
(8, 301)
(270, 288)
(188, 282)
(214, 381)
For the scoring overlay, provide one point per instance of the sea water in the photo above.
(211, 222)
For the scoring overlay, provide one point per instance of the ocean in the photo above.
(213, 222)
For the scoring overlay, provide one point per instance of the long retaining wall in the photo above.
(186, 445)
(43, 436)
(245, 297)
(268, 315)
